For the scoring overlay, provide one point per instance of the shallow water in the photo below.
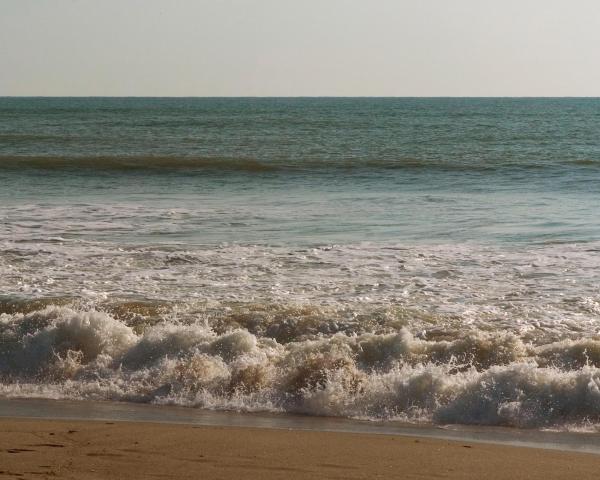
(430, 261)
(127, 412)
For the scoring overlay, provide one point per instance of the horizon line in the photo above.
(307, 96)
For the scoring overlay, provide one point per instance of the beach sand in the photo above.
(94, 449)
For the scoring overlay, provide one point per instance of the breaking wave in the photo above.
(475, 377)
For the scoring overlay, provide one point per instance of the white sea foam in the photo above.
(467, 334)
(476, 377)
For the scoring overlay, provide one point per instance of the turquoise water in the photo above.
(289, 171)
(425, 260)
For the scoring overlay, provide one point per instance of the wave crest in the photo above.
(476, 378)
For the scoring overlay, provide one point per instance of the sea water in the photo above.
(424, 260)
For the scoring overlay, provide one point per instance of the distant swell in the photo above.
(475, 378)
(151, 163)
(132, 163)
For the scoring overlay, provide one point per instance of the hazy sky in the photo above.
(301, 47)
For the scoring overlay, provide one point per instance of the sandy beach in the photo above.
(98, 449)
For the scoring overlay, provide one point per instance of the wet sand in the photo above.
(66, 449)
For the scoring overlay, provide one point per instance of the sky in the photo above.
(299, 48)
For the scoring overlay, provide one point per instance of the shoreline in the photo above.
(93, 449)
(73, 410)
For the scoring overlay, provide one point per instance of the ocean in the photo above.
(432, 261)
